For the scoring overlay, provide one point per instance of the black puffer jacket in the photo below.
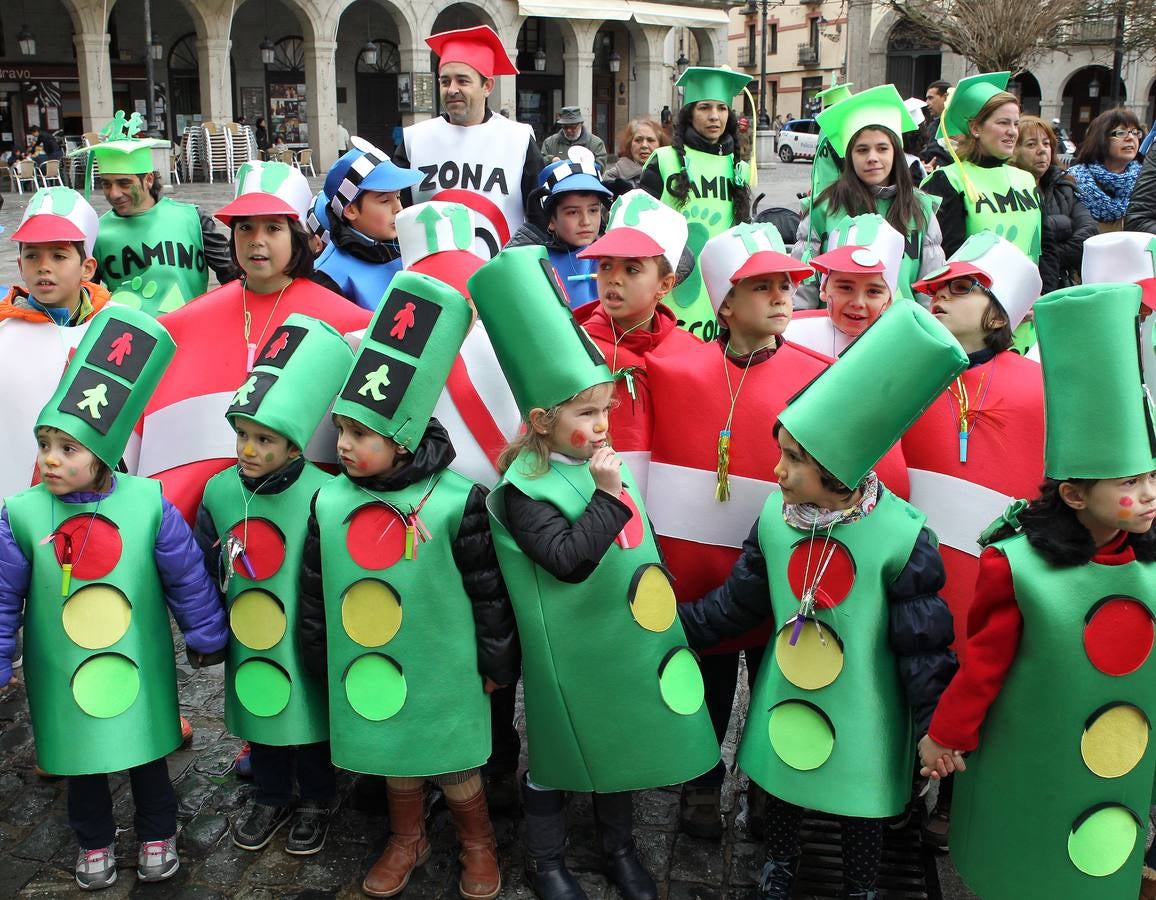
(1141, 214)
(499, 655)
(1067, 224)
(920, 624)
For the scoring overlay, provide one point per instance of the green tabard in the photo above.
(614, 697)
(828, 726)
(1067, 736)
(1007, 202)
(708, 210)
(405, 695)
(102, 686)
(270, 698)
(156, 260)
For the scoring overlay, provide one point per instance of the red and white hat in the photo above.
(1122, 256)
(58, 214)
(743, 252)
(641, 226)
(479, 47)
(269, 189)
(861, 245)
(437, 239)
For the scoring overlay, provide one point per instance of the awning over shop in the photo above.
(623, 10)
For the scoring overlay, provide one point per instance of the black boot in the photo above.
(776, 879)
(546, 872)
(615, 816)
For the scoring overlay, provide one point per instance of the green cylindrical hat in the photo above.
(1097, 413)
(109, 379)
(297, 374)
(120, 152)
(856, 410)
(545, 354)
(704, 83)
(405, 357)
(968, 98)
(881, 107)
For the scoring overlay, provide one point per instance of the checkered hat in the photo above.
(317, 222)
(364, 168)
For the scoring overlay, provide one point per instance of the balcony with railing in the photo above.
(748, 57)
(808, 55)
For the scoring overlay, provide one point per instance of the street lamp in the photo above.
(369, 54)
(540, 60)
(1094, 87)
(27, 41)
(682, 62)
(268, 51)
(614, 62)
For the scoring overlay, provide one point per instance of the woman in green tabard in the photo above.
(701, 175)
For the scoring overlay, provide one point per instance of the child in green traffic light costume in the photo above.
(1065, 586)
(251, 526)
(402, 602)
(851, 576)
(90, 559)
(702, 176)
(614, 698)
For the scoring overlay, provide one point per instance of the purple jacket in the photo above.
(190, 593)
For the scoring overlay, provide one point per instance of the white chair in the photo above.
(50, 174)
(23, 172)
(217, 155)
(304, 161)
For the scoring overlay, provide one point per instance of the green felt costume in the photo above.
(1003, 199)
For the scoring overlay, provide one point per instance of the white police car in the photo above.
(799, 139)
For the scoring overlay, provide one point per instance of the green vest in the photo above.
(405, 696)
(154, 261)
(614, 697)
(1065, 762)
(1008, 203)
(98, 649)
(822, 226)
(269, 696)
(708, 211)
(828, 726)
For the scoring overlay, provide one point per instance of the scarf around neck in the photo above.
(1105, 193)
(806, 516)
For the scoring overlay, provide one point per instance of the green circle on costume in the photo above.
(257, 620)
(815, 660)
(800, 735)
(106, 685)
(262, 687)
(96, 616)
(370, 612)
(1102, 843)
(680, 682)
(375, 687)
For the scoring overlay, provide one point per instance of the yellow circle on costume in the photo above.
(816, 659)
(1115, 741)
(96, 616)
(257, 620)
(652, 601)
(370, 612)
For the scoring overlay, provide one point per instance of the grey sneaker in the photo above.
(96, 869)
(157, 860)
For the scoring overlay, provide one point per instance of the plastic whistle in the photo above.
(963, 446)
(65, 578)
(249, 570)
(410, 541)
(590, 276)
(797, 630)
(250, 356)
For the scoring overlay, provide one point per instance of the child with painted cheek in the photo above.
(1061, 587)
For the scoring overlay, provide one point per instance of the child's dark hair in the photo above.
(1056, 533)
(78, 246)
(300, 262)
(996, 337)
(539, 444)
(680, 190)
(829, 481)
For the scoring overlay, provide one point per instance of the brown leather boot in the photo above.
(407, 848)
(480, 879)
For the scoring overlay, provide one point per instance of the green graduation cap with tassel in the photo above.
(700, 83)
(405, 357)
(968, 98)
(836, 93)
(881, 107)
(905, 360)
(121, 152)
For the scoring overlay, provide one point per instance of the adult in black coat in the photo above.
(1141, 214)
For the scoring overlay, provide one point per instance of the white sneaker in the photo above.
(96, 869)
(157, 860)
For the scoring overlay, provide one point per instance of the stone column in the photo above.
(579, 82)
(321, 101)
(216, 79)
(92, 65)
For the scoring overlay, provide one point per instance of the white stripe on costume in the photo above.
(957, 510)
(187, 431)
(714, 523)
(638, 461)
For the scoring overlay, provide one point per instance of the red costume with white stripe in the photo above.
(1005, 461)
(186, 439)
(699, 536)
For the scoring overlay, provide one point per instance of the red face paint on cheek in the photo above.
(577, 439)
(1126, 501)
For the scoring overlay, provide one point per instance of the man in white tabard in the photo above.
(468, 154)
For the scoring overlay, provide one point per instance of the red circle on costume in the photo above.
(632, 532)
(96, 545)
(376, 536)
(1118, 636)
(264, 548)
(838, 576)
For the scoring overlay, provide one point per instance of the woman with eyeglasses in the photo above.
(1106, 168)
(1067, 222)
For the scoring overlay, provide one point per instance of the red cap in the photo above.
(454, 267)
(1148, 292)
(623, 243)
(958, 269)
(478, 47)
(768, 262)
(857, 260)
(46, 228)
(255, 204)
